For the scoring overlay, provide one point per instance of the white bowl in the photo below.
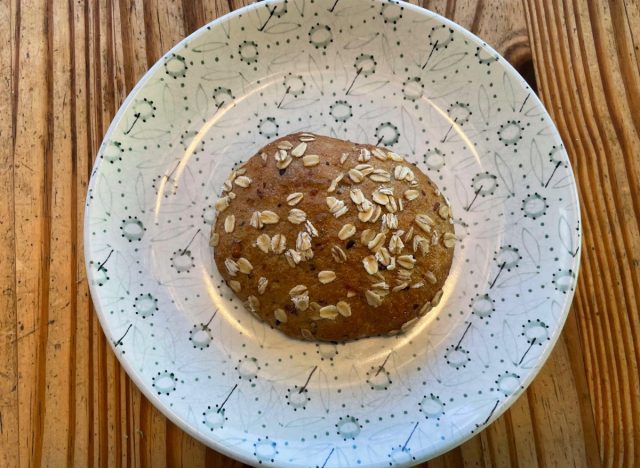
(369, 71)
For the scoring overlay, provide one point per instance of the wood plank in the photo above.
(79, 437)
(592, 70)
(32, 191)
(9, 431)
(61, 260)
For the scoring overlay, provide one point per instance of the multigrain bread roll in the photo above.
(325, 239)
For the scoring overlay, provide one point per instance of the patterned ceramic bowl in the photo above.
(371, 71)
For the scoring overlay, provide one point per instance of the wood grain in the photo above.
(594, 72)
(67, 65)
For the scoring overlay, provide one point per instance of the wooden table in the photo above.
(67, 66)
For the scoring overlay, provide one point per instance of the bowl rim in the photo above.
(143, 386)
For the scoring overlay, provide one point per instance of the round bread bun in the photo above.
(325, 239)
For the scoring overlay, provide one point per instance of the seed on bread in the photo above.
(426, 307)
(297, 216)
(420, 244)
(377, 242)
(244, 266)
(329, 312)
(365, 155)
(231, 266)
(215, 239)
(406, 261)
(449, 240)
(347, 231)
(243, 181)
(380, 175)
(383, 256)
(254, 303)
(299, 150)
(278, 243)
(294, 198)
(379, 154)
(303, 241)
(380, 198)
(367, 236)
(255, 221)
(269, 217)
(262, 285)
(400, 287)
(373, 299)
(343, 308)
(370, 264)
(301, 302)
(338, 254)
(335, 182)
(311, 160)
(283, 162)
(424, 222)
(229, 223)
(313, 232)
(437, 298)
(222, 203)
(298, 290)
(431, 277)
(364, 169)
(357, 196)
(263, 242)
(356, 176)
(395, 245)
(280, 315)
(326, 276)
(293, 257)
(389, 221)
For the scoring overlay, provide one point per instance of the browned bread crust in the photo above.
(326, 283)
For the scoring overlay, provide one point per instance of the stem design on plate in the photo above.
(101, 266)
(354, 80)
(474, 198)
(462, 337)
(527, 351)
(119, 342)
(304, 387)
(271, 12)
(330, 453)
(553, 173)
(496, 278)
(227, 398)
(137, 116)
(383, 363)
(433, 49)
(455, 121)
(524, 102)
(184, 251)
(404, 447)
